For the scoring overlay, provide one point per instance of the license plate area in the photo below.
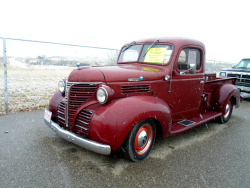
(47, 115)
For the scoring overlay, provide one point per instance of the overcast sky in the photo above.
(223, 26)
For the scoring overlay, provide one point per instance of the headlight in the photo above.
(61, 86)
(222, 74)
(102, 95)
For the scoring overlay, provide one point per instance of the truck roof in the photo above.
(177, 41)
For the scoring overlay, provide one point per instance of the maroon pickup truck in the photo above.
(158, 85)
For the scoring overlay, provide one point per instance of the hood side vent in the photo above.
(135, 89)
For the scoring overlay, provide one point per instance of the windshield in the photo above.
(158, 53)
(130, 53)
(244, 64)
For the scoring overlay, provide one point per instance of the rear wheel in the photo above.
(140, 140)
(227, 112)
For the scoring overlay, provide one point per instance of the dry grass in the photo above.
(30, 88)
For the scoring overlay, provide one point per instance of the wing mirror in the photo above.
(191, 70)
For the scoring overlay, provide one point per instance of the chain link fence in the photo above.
(33, 69)
(30, 70)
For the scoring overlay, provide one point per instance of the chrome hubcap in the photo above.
(142, 139)
(227, 111)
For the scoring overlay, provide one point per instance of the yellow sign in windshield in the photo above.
(155, 55)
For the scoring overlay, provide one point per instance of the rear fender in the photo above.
(222, 94)
(112, 123)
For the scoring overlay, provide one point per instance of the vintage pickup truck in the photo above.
(158, 85)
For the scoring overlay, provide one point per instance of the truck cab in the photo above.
(157, 85)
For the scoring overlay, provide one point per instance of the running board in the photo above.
(186, 122)
(184, 125)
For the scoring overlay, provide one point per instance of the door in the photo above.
(187, 84)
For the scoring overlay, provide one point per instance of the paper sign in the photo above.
(155, 55)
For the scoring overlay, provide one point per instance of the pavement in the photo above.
(211, 155)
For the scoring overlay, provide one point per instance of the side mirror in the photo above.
(192, 68)
(233, 66)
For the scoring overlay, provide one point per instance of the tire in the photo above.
(227, 112)
(140, 141)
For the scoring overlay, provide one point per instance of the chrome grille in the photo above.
(82, 122)
(234, 75)
(242, 80)
(61, 113)
(76, 95)
(135, 89)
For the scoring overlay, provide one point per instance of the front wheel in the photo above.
(227, 112)
(140, 140)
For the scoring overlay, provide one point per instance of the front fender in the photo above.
(222, 94)
(54, 102)
(112, 123)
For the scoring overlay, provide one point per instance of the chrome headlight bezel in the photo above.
(102, 95)
(61, 86)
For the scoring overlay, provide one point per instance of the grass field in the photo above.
(30, 88)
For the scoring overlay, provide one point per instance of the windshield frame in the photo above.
(141, 53)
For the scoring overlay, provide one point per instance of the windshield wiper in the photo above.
(152, 45)
(128, 46)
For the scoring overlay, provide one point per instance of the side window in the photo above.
(187, 57)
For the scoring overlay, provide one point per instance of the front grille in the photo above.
(242, 80)
(246, 76)
(234, 75)
(82, 122)
(61, 113)
(243, 84)
(135, 89)
(78, 94)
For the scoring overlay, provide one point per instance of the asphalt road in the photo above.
(211, 155)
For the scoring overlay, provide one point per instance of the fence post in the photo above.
(5, 76)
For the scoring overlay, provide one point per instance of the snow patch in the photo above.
(15, 63)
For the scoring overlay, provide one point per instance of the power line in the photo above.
(56, 43)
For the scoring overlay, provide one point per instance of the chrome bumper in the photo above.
(83, 142)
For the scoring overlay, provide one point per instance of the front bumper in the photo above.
(83, 142)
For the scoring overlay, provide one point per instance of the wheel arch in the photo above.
(112, 123)
(222, 94)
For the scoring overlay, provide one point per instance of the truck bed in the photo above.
(211, 81)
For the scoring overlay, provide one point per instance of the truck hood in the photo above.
(118, 73)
